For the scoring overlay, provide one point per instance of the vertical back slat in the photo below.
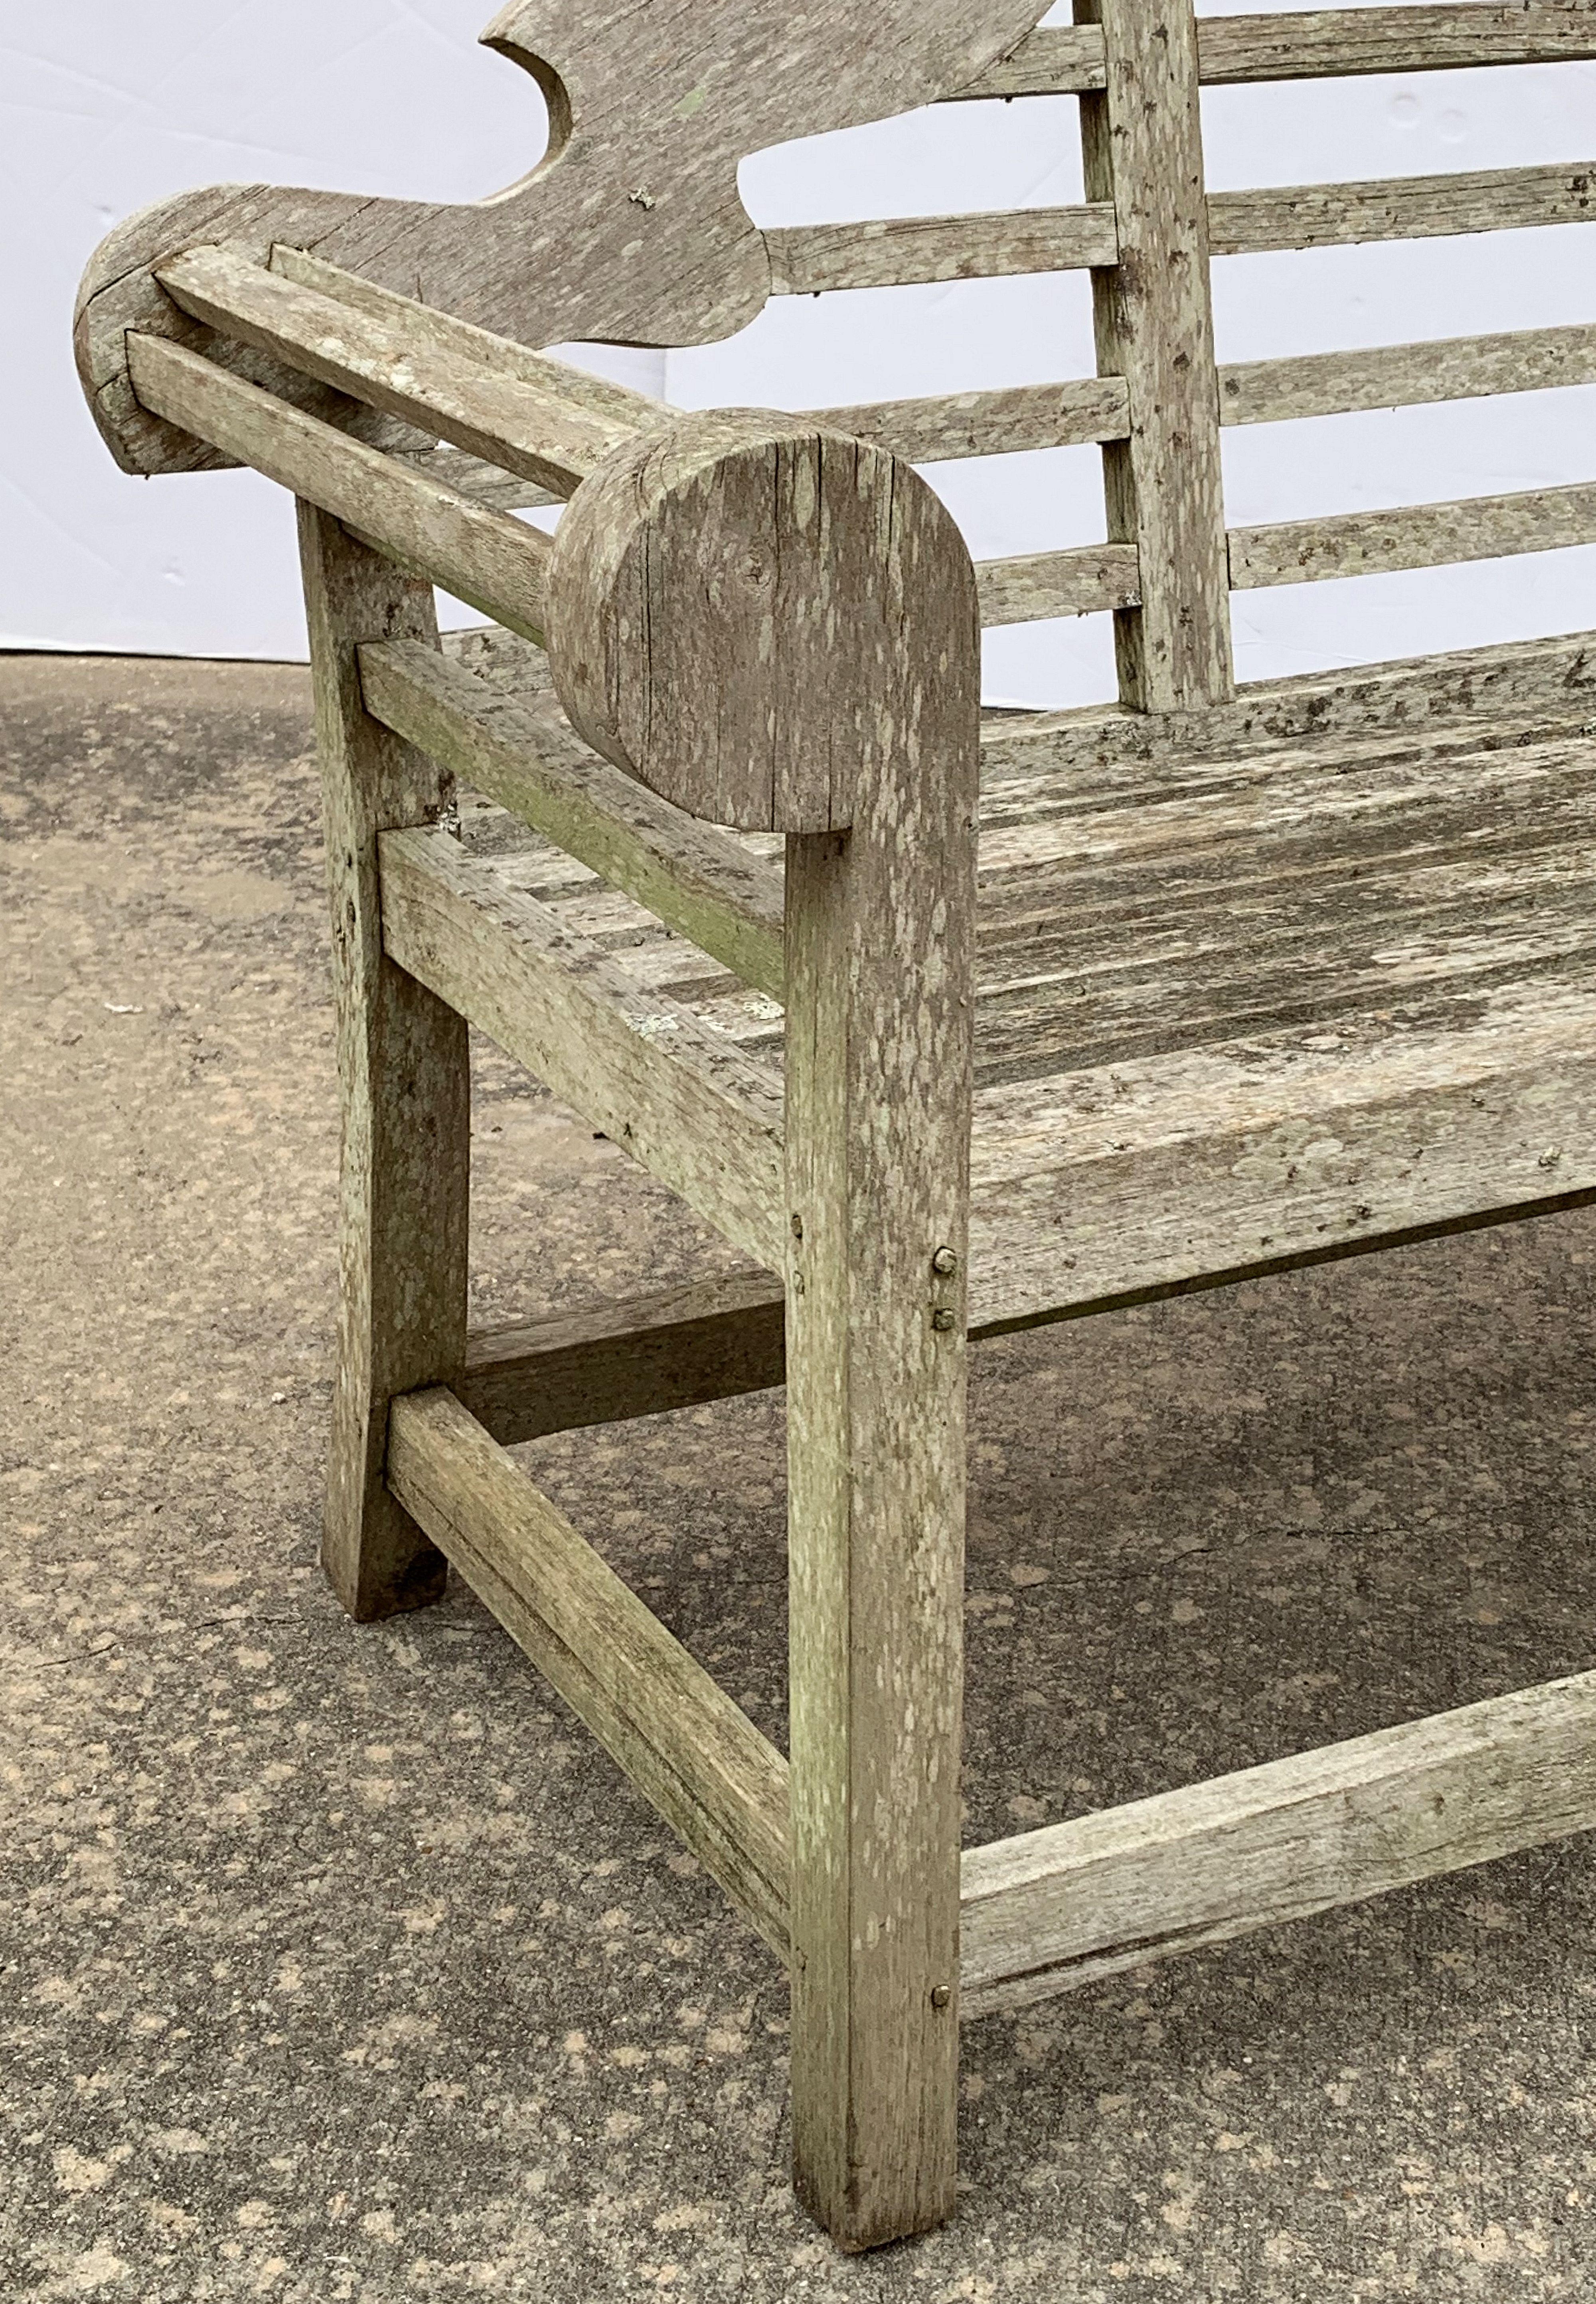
(1142, 145)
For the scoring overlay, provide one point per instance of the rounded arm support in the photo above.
(755, 617)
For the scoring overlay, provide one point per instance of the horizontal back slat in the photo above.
(902, 251)
(1414, 536)
(1089, 578)
(949, 425)
(1345, 43)
(1399, 207)
(1406, 375)
(898, 252)
(1089, 410)
(1326, 44)
(1078, 582)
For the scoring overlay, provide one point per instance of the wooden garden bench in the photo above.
(1228, 982)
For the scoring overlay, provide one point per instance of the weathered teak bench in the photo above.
(1230, 981)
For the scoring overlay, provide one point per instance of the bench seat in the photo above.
(1233, 1013)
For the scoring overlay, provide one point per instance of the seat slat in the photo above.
(1523, 685)
(1313, 1002)
(1407, 965)
(1156, 1173)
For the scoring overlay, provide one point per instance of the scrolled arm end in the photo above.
(744, 610)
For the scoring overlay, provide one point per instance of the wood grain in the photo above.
(1412, 536)
(1343, 43)
(1051, 1910)
(695, 878)
(680, 1738)
(681, 1100)
(1399, 207)
(496, 562)
(1104, 1184)
(437, 334)
(1320, 44)
(1033, 585)
(404, 1088)
(807, 259)
(879, 927)
(1407, 375)
(1061, 60)
(1142, 144)
(720, 621)
(945, 425)
(643, 1356)
(1536, 684)
(537, 428)
(629, 230)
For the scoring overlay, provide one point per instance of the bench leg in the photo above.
(877, 1158)
(404, 1084)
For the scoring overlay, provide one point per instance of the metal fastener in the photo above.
(944, 1262)
(941, 1995)
(944, 1321)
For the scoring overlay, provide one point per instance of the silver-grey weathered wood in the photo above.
(1543, 684)
(524, 756)
(879, 929)
(1051, 1910)
(496, 562)
(539, 429)
(807, 259)
(710, 1340)
(947, 425)
(1224, 984)
(405, 1090)
(1399, 207)
(1412, 536)
(685, 1744)
(1033, 584)
(1142, 142)
(687, 1106)
(630, 230)
(1407, 375)
(1320, 44)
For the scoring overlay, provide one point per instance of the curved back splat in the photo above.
(630, 230)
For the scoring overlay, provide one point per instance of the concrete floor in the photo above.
(340, 1963)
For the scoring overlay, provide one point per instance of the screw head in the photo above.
(941, 1995)
(943, 1321)
(944, 1262)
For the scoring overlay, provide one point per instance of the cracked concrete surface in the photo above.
(341, 1963)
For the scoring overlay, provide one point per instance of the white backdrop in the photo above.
(108, 107)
